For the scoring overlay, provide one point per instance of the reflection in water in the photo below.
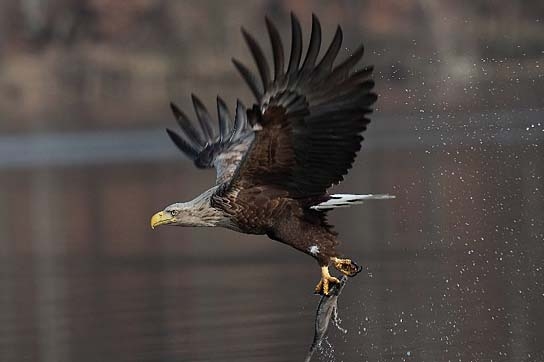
(453, 266)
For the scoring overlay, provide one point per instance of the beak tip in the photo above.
(158, 219)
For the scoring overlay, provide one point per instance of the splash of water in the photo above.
(327, 310)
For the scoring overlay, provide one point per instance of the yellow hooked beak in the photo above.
(160, 218)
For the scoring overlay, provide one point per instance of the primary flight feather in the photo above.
(276, 160)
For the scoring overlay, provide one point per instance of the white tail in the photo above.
(345, 200)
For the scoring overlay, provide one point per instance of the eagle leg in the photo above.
(346, 266)
(326, 279)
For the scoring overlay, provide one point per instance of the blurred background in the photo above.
(453, 268)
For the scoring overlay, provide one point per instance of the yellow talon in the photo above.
(346, 266)
(326, 279)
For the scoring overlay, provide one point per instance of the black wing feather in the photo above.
(260, 60)
(203, 117)
(313, 48)
(195, 138)
(183, 145)
(250, 79)
(312, 116)
(224, 118)
(240, 121)
(277, 48)
(325, 64)
(296, 46)
(341, 71)
(223, 152)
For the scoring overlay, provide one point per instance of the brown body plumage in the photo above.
(276, 160)
(264, 210)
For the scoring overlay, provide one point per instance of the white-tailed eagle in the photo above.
(276, 160)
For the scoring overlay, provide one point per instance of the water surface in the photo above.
(452, 267)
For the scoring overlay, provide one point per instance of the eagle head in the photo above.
(197, 212)
(177, 214)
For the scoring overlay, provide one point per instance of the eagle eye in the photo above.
(174, 212)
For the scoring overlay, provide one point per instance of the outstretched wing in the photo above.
(310, 116)
(224, 151)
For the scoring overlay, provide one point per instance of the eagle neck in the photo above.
(205, 214)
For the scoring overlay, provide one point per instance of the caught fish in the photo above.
(326, 309)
